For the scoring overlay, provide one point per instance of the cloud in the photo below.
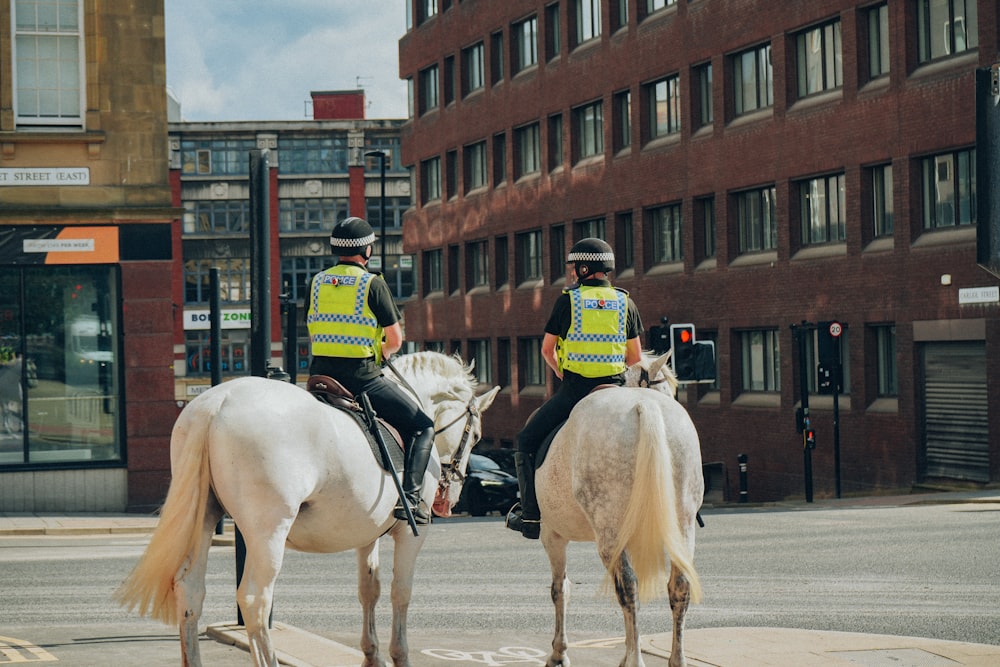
(259, 60)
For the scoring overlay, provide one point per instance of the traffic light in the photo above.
(682, 357)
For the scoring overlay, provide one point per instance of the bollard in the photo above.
(742, 459)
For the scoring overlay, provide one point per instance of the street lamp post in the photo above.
(381, 172)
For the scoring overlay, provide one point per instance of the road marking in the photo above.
(19, 651)
(508, 655)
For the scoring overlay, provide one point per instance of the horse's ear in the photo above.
(658, 364)
(486, 400)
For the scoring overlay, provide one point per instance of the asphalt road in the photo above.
(481, 594)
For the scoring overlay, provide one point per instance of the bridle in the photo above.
(450, 471)
(646, 381)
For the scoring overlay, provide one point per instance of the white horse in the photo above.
(292, 471)
(624, 471)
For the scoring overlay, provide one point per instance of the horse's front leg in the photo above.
(404, 561)
(555, 547)
(369, 589)
(679, 590)
(627, 591)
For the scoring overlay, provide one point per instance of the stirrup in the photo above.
(421, 514)
(530, 528)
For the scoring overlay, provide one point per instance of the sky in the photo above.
(230, 60)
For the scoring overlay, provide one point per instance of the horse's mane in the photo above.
(435, 372)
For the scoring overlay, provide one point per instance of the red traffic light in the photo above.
(685, 335)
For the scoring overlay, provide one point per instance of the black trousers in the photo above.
(556, 410)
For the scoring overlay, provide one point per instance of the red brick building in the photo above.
(755, 165)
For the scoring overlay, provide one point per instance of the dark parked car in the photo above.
(487, 488)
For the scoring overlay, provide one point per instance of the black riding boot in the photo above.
(417, 456)
(525, 517)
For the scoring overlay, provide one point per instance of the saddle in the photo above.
(331, 392)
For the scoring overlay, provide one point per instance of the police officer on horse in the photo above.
(354, 325)
(593, 335)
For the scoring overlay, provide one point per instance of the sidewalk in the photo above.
(706, 647)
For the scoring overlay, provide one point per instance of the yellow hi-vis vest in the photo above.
(595, 343)
(340, 322)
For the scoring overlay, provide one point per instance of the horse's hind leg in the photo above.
(265, 552)
(679, 590)
(555, 547)
(369, 589)
(189, 585)
(626, 589)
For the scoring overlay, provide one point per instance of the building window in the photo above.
(760, 361)
(624, 242)
(217, 157)
(428, 89)
(592, 228)
(619, 14)
(704, 209)
(588, 126)
(61, 365)
(704, 110)
(557, 253)
(312, 155)
(528, 156)
(473, 78)
(430, 174)
(453, 268)
(228, 216)
(529, 256)
(823, 207)
(840, 346)
(451, 167)
(885, 351)
(234, 280)
(499, 159)
(946, 27)
(882, 200)
(753, 80)
(501, 253)
(482, 363)
(395, 207)
(389, 146)
(477, 265)
(433, 271)
(475, 166)
(653, 6)
(949, 189)
(553, 43)
(622, 119)
(820, 60)
(665, 228)
(449, 80)
(234, 351)
(587, 20)
(503, 363)
(496, 58)
(48, 63)
(530, 362)
(664, 107)
(425, 10)
(556, 154)
(878, 41)
(524, 42)
(317, 214)
(755, 220)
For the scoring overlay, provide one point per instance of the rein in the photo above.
(450, 472)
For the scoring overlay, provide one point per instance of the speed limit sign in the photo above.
(836, 329)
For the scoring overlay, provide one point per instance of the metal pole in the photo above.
(215, 342)
(800, 333)
(260, 305)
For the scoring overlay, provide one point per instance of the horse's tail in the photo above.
(177, 540)
(650, 529)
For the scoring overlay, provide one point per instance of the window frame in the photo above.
(524, 44)
(588, 122)
(926, 51)
(473, 68)
(766, 236)
(666, 225)
(763, 375)
(930, 178)
(762, 68)
(664, 113)
(831, 57)
(527, 150)
(823, 217)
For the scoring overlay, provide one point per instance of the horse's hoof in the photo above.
(558, 663)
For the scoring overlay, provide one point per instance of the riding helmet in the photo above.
(351, 236)
(592, 254)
